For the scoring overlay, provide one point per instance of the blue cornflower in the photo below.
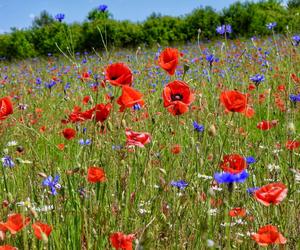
(67, 86)
(50, 85)
(102, 7)
(59, 17)
(257, 79)
(220, 30)
(224, 29)
(38, 80)
(296, 40)
(228, 28)
(295, 98)
(271, 26)
(136, 107)
(210, 58)
(252, 190)
(86, 142)
(181, 184)
(250, 160)
(7, 161)
(198, 127)
(52, 183)
(95, 85)
(225, 177)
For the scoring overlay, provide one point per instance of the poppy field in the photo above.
(193, 147)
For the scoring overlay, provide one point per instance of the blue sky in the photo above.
(20, 13)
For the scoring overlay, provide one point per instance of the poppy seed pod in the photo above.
(212, 131)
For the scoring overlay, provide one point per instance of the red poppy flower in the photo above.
(85, 76)
(137, 138)
(118, 74)
(102, 111)
(7, 247)
(86, 100)
(121, 241)
(291, 145)
(251, 87)
(69, 133)
(168, 60)
(78, 116)
(281, 88)
(6, 107)
(267, 235)
(129, 98)
(176, 149)
(3, 229)
(96, 174)
(237, 211)
(233, 163)
(177, 97)
(272, 193)
(15, 223)
(295, 78)
(266, 125)
(41, 228)
(42, 129)
(234, 101)
(61, 146)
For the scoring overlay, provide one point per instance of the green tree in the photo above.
(97, 14)
(19, 45)
(42, 20)
(205, 19)
(292, 4)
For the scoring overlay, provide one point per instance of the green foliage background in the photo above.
(247, 19)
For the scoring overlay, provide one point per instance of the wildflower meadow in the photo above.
(173, 147)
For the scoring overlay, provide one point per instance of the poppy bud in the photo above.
(163, 171)
(5, 203)
(123, 123)
(33, 212)
(44, 237)
(291, 128)
(201, 162)
(109, 126)
(186, 67)
(43, 175)
(212, 131)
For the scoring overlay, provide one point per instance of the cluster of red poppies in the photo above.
(177, 95)
(16, 222)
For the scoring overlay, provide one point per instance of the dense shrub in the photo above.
(101, 30)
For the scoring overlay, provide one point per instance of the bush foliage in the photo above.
(100, 29)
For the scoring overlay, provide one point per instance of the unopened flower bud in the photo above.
(123, 123)
(212, 131)
(291, 128)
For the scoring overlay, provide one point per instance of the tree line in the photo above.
(100, 31)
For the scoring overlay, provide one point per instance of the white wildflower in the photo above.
(273, 167)
(212, 211)
(11, 143)
(205, 177)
